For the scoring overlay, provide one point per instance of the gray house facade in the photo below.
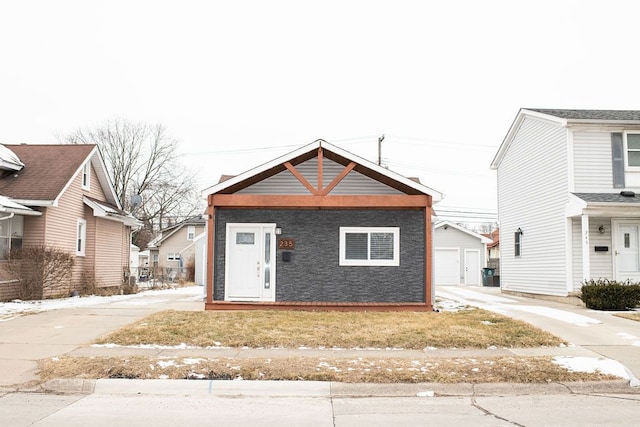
(320, 227)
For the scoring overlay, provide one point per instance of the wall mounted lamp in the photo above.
(601, 229)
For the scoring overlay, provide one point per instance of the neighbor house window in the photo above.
(517, 250)
(86, 176)
(173, 256)
(375, 246)
(81, 237)
(11, 230)
(191, 232)
(155, 260)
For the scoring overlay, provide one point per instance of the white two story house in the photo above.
(569, 199)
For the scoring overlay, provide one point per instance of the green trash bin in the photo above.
(487, 276)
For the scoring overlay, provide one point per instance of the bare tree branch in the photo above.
(142, 159)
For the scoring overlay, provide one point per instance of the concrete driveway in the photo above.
(599, 332)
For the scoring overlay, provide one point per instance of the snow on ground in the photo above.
(450, 295)
(592, 364)
(10, 310)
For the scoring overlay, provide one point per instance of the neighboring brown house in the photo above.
(320, 228)
(69, 203)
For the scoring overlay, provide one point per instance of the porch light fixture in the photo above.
(278, 230)
(519, 231)
(601, 229)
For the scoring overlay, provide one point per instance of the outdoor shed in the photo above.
(460, 254)
(319, 228)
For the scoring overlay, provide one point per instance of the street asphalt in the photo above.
(25, 401)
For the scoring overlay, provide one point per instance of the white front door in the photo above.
(250, 262)
(471, 267)
(627, 251)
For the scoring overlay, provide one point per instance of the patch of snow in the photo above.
(626, 336)
(592, 365)
(166, 364)
(190, 361)
(10, 310)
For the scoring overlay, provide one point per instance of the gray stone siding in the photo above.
(314, 273)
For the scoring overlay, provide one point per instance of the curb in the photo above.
(326, 389)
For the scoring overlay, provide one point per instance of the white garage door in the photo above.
(447, 267)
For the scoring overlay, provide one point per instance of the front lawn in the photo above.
(197, 331)
(472, 328)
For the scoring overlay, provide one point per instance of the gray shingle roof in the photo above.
(608, 198)
(608, 115)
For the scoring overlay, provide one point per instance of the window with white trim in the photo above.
(11, 231)
(372, 246)
(173, 256)
(86, 176)
(191, 232)
(81, 237)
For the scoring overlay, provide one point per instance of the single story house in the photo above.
(320, 228)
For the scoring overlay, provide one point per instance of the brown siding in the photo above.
(95, 190)
(109, 252)
(34, 229)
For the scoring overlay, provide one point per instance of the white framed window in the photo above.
(86, 176)
(11, 232)
(173, 256)
(191, 232)
(81, 237)
(373, 246)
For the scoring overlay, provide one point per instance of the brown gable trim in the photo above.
(319, 201)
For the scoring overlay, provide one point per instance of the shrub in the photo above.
(603, 294)
(42, 271)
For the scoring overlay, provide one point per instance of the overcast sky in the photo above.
(239, 83)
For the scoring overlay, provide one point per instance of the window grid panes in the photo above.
(633, 149)
(374, 246)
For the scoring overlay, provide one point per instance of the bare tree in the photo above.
(142, 159)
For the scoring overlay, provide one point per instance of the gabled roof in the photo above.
(49, 170)
(445, 224)
(565, 117)
(308, 151)
(170, 231)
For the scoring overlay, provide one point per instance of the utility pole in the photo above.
(380, 139)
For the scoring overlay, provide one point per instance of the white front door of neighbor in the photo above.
(471, 267)
(250, 267)
(627, 251)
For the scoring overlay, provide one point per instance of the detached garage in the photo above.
(459, 255)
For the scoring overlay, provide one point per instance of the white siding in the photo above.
(453, 238)
(600, 262)
(532, 194)
(285, 183)
(592, 162)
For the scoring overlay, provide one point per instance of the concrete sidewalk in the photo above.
(28, 338)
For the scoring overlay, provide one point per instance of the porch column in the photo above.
(586, 265)
(210, 254)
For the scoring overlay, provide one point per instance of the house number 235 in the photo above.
(286, 244)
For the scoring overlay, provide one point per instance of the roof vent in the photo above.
(627, 194)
